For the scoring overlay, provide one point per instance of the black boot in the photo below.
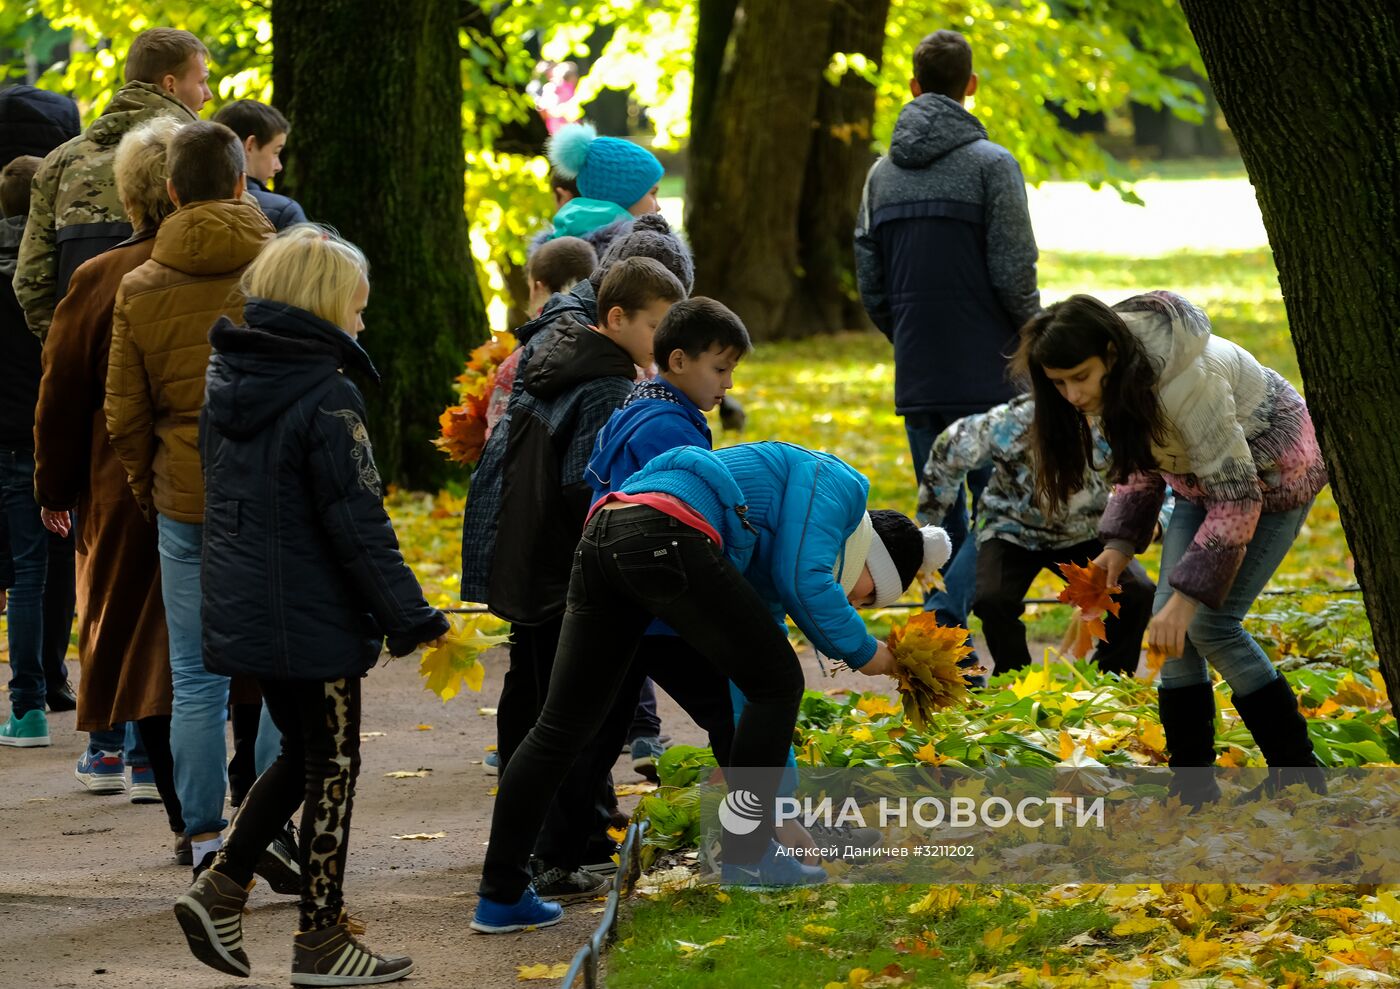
(1188, 718)
(1271, 714)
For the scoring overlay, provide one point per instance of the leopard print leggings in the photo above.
(320, 760)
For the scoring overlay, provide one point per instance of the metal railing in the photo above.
(629, 867)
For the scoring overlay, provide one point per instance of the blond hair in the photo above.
(311, 267)
(142, 167)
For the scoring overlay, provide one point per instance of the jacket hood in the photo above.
(571, 353)
(130, 105)
(11, 233)
(929, 127)
(212, 238)
(35, 121)
(258, 370)
(579, 302)
(649, 403)
(1174, 332)
(581, 216)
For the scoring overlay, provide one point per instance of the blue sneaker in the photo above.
(102, 773)
(142, 788)
(645, 751)
(772, 870)
(491, 765)
(501, 918)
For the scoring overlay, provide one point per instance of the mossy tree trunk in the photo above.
(375, 102)
(1309, 91)
(777, 158)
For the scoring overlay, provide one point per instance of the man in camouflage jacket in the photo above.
(75, 214)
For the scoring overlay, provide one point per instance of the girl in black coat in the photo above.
(302, 583)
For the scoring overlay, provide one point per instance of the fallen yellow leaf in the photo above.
(406, 774)
(541, 971)
(421, 836)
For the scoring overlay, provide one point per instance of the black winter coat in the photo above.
(302, 574)
(528, 499)
(281, 211)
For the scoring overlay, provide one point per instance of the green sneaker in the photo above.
(28, 732)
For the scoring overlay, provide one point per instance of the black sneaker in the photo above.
(184, 854)
(60, 697)
(280, 864)
(563, 886)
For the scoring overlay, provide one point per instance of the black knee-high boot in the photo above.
(1271, 714)
(1188, 718)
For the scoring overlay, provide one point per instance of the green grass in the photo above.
(782, 939)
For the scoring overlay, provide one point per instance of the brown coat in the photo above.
(160, 347)
(122, 644)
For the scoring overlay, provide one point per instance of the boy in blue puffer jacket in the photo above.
(697, 347)
(747, 535)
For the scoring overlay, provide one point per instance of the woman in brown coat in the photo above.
(122, 643)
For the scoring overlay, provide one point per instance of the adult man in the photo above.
(945, 261)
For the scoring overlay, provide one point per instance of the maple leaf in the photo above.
(446, 668)
(926, 659)
(1087, 589)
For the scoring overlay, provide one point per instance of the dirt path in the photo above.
(86, 882)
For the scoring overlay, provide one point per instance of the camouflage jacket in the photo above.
(1000, 439)
(74, 212)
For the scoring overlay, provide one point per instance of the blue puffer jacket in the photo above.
(784, 514)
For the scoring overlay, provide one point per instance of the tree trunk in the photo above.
(375, 103)
(748, 166)
(827, 298)
(1309, 93)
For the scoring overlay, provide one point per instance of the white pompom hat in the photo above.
(896, 551)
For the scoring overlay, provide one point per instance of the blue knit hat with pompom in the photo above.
(606, 168)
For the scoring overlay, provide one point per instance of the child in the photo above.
(616, 181)
(263, 131)
(1235, 441)
(719, 546)
(556, 267)
(155, 388)
(697, 347)
(1016, 539)
(528, 502)
(317, 526)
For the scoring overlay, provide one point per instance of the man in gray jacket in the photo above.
(945, 260)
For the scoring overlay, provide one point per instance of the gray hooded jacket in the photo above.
(945, 259)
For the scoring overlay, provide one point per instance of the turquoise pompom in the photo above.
(568, 149)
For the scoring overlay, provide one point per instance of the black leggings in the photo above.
(320, 759)
(634, 564)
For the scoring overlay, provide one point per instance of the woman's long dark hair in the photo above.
(1063, 336)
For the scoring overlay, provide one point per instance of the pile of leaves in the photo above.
(463, 426)
(926, 657)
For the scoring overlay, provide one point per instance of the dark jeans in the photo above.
(60, 604)
(950, 606)
(153, 734)
(646, 723)
(29, 551)
(320, 760)
(632, 565)
(242, 770)
(583, 806)
(1004, 575)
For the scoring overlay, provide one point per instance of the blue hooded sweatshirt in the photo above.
(784, 513)
(656, 417)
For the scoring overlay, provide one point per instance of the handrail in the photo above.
(629, 867)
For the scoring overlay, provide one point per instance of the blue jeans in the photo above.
(199, 711)
(960, 573)
(1217, 636)
(29, 550)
